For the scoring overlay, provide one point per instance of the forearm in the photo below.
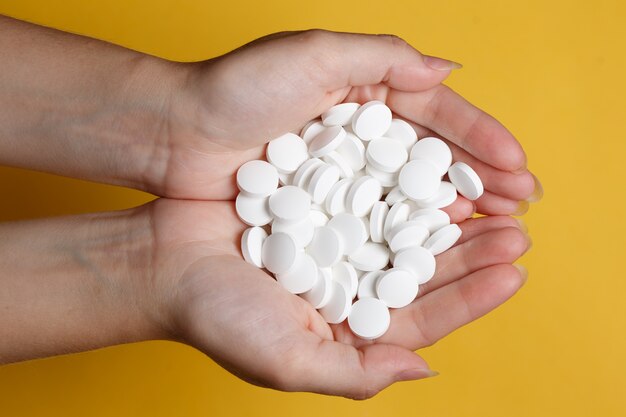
(80, 107)
(76, 283)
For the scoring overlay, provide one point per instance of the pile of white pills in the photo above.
(350, 209)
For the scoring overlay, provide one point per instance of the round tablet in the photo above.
(257, 178)
(377, 221)
(351, 229)
(319, 295)
(326, 248)
(386, 179)
(318, 217)
(336, 198)
(397, 287)
(322, 181)
(398, 213)
(345, 274)
(407, 234)
(367, 284)
(287, 152)
(371, 120)
(369, 318)
(435, 151)
(253, 211)
(445, 195)
(301, 276)
(340, 162)
(466, 180)
(326, 141)
(301, 231)
(385, 154)
(402, 131)
(395, 196)
(252, 245)
(419, 179)
(443, 239)
(361, 197)
(290, 204)
(419, 261)
(304, 173)
(433, 219)
(340, 114)
(353, 151)
(370, 257)
(310, 130)
(279, 252)
(338, 307)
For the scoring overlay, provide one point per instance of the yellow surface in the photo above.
(553, 72)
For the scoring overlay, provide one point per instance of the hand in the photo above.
(239, 316)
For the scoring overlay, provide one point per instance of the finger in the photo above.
(472, 228)
(493, 204)
(437, 314)
(460, 210)
(450, 115)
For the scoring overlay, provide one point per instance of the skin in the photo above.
(172, 269)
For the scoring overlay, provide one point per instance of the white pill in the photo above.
(287, 152)
(279, 252)
(290, 204)
(419, 261)
(318, 217)
(322, 181)
(336, 198)
(386, 179)
(369, 318)
(252, 245)
(402, 131)
(301, 231)
(361, 197)
(304, 173)
(301, 276)
(398, 213)
(346, 275)
(443, 239)
(253, 211)
(340, 162)
(353, 151)
(310, 130)
(395, 196)
(397, 287)
(351, 229)
(407, 234)
(377, 221)
(435, 151)
(370, 257)
(326, 248)
(387, 155)
(367, 284)
(371, 120)
(285, 179)
(419, 179)
(466, 180)
(340, 114)
(433, 219)
(326, 141)
(445, 195)
(319, 295)
(338, 307)
(257, 178)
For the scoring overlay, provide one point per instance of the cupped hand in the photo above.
(239, 316)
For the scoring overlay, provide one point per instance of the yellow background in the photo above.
(553, 72)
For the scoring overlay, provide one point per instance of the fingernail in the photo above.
(415, 373)
(523, 272)
(537, 194)
(522, 208)
(530, 243)
(440, 64)
(522, 225)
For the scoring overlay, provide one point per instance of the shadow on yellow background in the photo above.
(552, 72)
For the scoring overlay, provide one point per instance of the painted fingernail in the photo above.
(440, 64)
(537, 194)
(522, 225)
(415, 373)
(522, 208)
(523, 272)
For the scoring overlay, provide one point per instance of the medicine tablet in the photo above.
(361, 197)
(351, 229)
(387, 155)
(445, 195)
(253, 211)
(326, 248)
(407, 234)
(252, 245)
(418, 260)
(340, 162)
(257, 178)
(285, 179)
(353, 151)
(301, 276)
(402, 131)
(419, 179)
(398, 213)
(338, 307)
(397, 288)
(336, 199)
(319, 295)
(371, 120)
(322, 181)
(377, 221)
(287, 152)
(346, 275)
(395, 196)
(443, 239)
(433, 219)
(367, 284)
(435, 151)
(304, 173)
(386, 179)
(279, 252)
(370, 257)
(369, 318)
(466, 181)
(301, 231)
(318, 217)
(326, 141)
(290, 204)
(340, 114)
(310, 130)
